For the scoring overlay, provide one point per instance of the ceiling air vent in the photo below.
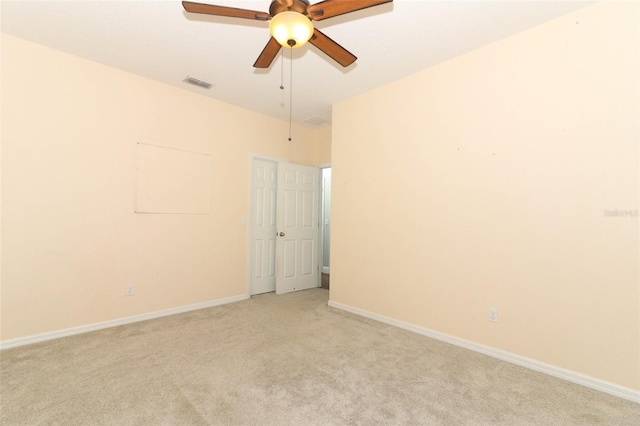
(316, 121)
(197, 82)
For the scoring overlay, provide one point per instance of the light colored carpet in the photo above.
(282, 360)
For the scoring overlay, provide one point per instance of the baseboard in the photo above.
(561, 373)
(115, 323)
(325, 269)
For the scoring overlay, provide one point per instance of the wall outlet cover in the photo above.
(493, 315)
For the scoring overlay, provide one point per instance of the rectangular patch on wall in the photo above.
(172, 181)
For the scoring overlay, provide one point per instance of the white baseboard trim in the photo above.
(325, 269)
(561, 373)
(115, 323)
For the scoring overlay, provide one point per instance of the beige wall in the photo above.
(71, 242)
(482, 182)
(323, 146)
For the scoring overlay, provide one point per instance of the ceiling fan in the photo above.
(295, 15)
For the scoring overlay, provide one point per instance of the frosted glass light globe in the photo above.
(291, 29)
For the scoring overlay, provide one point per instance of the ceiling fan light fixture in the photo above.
(291, 29)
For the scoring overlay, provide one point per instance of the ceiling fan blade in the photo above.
(330, 8)
(209, 9)
(332, 49)
(268, 54)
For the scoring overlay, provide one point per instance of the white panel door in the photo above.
(297, 226)
(263, 244)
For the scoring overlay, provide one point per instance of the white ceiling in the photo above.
(159, 40)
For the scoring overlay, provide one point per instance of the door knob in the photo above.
(282, 234)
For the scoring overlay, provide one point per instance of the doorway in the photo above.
(285, 224)
(325, 236)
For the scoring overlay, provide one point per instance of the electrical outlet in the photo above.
(493, 315)
(129, 290)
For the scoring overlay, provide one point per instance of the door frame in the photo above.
(321, 216)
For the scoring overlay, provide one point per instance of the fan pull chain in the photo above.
(290, 90)
(282, 69)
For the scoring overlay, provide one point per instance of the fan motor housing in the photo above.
(299, 6)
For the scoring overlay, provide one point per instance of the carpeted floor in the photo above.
(282, 360)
